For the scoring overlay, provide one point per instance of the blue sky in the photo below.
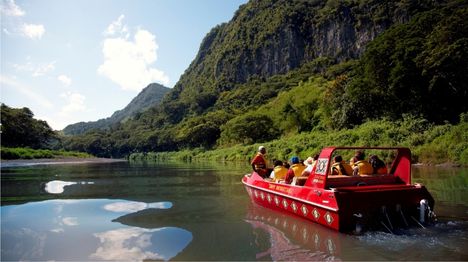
(81, 60)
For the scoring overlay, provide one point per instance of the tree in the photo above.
(20, 129)
(248, 129)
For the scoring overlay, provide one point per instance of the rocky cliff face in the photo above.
(269, 37)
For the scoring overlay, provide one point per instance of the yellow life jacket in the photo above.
(298, 168)
(280, 172)
(347, 169)
(364, 167)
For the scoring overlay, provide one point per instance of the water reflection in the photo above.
(50, 230)
(285, 237)
(57, 186)
(205, 219)
(131, 206)
(140, 244)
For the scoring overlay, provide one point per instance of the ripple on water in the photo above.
(444, 239)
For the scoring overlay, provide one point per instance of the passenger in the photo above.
(295, 170)
(310, 164)
(361, 166)
(279, 171)
(260, 163)
(340, 167)
(378, 165)
(352, 161)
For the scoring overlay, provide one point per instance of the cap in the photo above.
(294, 159)
(260, 148)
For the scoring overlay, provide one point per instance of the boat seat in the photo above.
(364, 180)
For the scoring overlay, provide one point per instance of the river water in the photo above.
(182, 211)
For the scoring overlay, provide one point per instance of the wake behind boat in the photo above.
(350, 202)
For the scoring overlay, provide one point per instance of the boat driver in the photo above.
(260, 163)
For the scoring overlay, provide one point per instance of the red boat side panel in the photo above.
(286, 204)
(401, 167)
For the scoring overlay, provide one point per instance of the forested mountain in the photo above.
(20, 129)
(286, 67)
(149, 96)
(272, 37)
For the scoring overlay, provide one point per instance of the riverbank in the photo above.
(430, 144)
(57, 161)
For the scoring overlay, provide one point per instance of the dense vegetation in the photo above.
(418, 68)
(20, 129)
(28, 153)
(430, 144)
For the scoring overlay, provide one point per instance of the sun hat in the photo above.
(309, 161)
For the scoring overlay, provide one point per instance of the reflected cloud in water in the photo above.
(132, 206)
(70, 221)
(57, 186)
(33, 231)
(138, 243)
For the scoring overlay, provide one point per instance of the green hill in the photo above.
(283, 68)
(149, 96)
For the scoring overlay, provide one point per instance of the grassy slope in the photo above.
(28, 153)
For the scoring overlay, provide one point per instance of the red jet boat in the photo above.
(350, 203)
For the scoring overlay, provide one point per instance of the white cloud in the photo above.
(9, 8)
(44, 69)
(33, 31)
(70, 221)
(11, 21)
(27, 91)
(117, 27)
(128, 62)
(64, 79)
(75, 103)
(37, 70)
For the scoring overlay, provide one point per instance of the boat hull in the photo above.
(268, 196)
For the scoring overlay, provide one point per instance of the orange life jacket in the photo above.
(337, 170)
(364, 167)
